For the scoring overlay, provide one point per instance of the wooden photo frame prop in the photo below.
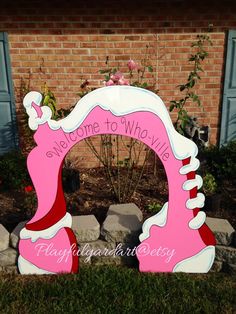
(176, 239)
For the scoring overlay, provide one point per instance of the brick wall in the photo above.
(65, 43)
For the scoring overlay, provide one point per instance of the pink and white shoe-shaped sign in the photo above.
(174, 240)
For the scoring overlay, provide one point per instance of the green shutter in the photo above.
(228, 122)
(8, 131)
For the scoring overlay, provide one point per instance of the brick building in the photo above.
(63, 43)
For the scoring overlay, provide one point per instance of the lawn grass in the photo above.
(118, 290)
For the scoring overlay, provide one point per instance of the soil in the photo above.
(95, 196)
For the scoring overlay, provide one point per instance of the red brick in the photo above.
(77, 41)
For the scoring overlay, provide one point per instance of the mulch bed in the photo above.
(95, 194)
(95, 197)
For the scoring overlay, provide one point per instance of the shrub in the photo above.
(70, 177)
(209, 184)
(13, 171)
(221, 161)
(154, 208)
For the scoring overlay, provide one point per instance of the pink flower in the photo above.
(117, 76)
(109, 83)
(132, 65)
(123, 81)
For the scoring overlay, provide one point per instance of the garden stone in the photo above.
(129, 209)
(15, 235)
(216, 267)
(84, 261)
(96, 245)
(9, 270)
(128, 253)
(86, 228)
(8, 257)
(4, 238)
(99, 247)
(121, 228)
(226, 254)
(128, 247)
(222, 230)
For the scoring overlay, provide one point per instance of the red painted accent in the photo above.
(207, 235)
(56, 213)
(204, 231)
(75, 257)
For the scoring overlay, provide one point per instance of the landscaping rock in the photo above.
(99, 247)
(127, 251)
(86, 228)
(216, 267)
(226, 254)
(222, 230)
(129, 209)
(8, 257)
(84, 261)
(4, 238)
(128, 248)
(96, 245)
(9, 270)
(121, 228)
(15, 235)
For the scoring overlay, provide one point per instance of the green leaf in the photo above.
(183, 124)
(182, 87)
(191, 83)
(198, 76)
(150, 68)
(200, 69)
(46, 100)
(144, 85)
(104, 71)
(172, 106)
(52, 108)
(126, 158)
(192, 58)
(202, 57)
